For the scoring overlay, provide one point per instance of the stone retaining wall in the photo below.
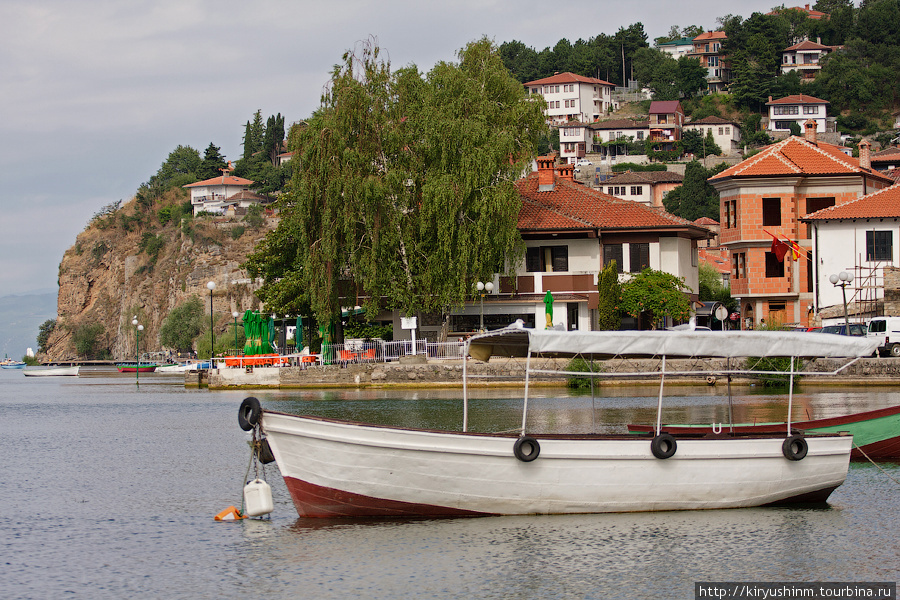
(880, 371)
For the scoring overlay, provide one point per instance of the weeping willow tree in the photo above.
(404, 193)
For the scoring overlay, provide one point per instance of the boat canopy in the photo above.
(518, 341)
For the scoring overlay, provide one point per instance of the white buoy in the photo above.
(257, 498)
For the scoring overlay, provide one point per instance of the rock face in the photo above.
(128, 263)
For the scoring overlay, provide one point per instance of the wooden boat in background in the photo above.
(876, 433)
(130, 367)
(51, 372)
(340, 468)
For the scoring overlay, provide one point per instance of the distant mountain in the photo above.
(20, 318)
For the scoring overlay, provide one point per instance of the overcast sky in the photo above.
(96, 93)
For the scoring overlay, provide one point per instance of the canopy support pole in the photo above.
(662, 380)
(527, 380)
(465, 389)
(790, 398)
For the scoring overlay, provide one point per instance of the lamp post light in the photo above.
(235, 315)
(137, 349)
(842, 280)
(212, 335)
(482, 288)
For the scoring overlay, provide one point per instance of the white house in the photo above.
(572, 97)
(805, 58)
(859, 237)
(574, 140)
(677, 48)
(797, 108)
(603, 132)
(647, 187)
(211, 195)
(726, 134)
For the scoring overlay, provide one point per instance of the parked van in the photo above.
(887, 330)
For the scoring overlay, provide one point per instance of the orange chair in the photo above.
(368, 355)
(345, 356)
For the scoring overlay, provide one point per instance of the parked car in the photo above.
(584, 163)
(887, 330)
(855, 329)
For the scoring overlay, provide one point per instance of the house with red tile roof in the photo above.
(805, 58)
(797, 108)
(708, 50)
(887, 159)
(604, 133)
(572, 97)
(810, 13)
(860, 237)
(666, 122)
(211, 195)
(764, 198)
(570, 232)
(575, 139)
(646, 187)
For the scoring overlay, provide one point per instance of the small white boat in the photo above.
(51, 371)
(183, 367)
(338, 468)
(8, 363)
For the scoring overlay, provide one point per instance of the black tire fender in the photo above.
(264, 454)
(526, 448)
(794, 447)
(663, 446)
(249, 413)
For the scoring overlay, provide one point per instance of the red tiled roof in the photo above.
(891, 154)
(651, 177)
(883, 204)
(808, 45)
(718, 258)
(712, 120)
(568, 77)
(704, 221)
(664, 107)
(710, 35)
(797, 99)
(796, 156)
(570, 205)
(812, 14)
(220, 180)
(620, 124)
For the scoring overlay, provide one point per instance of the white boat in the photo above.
(339, 468)
(51, 371)
(183, 367)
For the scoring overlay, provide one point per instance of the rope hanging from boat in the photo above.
(861, 451)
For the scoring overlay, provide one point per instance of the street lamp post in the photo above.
(212, 335)
(137, 349)
(235, 315)
(841, 280)
(482, 288)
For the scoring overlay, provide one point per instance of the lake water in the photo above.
(109, 491)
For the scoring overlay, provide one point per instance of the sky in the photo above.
(95, 94)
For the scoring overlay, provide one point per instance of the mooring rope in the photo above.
(875, 463)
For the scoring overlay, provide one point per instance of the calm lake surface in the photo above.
(109, 491)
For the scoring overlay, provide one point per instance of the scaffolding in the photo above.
(868, 285)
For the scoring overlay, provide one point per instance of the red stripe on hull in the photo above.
(322, 502)
(883, 450)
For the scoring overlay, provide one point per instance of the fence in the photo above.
(359, 351)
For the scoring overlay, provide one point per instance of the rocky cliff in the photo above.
(143, 261)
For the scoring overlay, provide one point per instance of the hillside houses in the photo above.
(572, 97)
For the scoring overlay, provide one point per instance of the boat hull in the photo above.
(134, 368)
(337, 468)
(876, 433)
(52, 372)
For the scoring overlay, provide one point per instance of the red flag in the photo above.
(779, 249)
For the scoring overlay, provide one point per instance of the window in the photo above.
(783, 124)
(538, 259)
(721, 129)
(879, 245)
(810, 110)
(787, 110)
(613, 252)
(638, 256)
(727, 130)
(713, 61)
(771, 212)
(637, 190)
(739, 263)
(640, 135)
(774, 267)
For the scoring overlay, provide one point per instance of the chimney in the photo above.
(864, 162)
(566, 171)
(810, 131)
(545, 171)
(770, 99)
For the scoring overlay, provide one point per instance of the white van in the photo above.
(887, 331)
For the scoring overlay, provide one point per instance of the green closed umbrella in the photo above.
(548, 308)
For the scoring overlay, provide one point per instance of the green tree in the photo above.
(44, 331)
(695, 197)
(212, 164)
(182, 325)
(656, 295)
(609, 291)
(87, 340)
(400, 176)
